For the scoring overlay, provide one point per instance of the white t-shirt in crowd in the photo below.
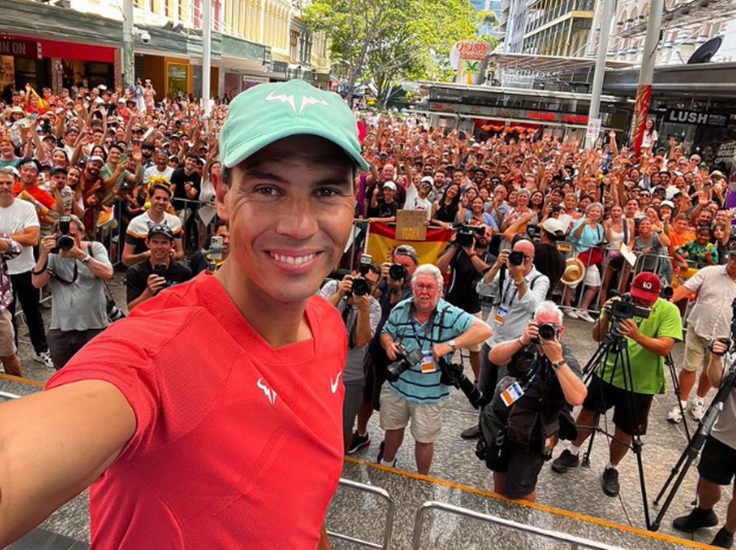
(154, 173)
(414, 202)
(16, 218)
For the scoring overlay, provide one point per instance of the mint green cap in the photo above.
(269, 112)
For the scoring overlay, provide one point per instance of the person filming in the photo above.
(649, 341)
(523, 421)
(76, 271)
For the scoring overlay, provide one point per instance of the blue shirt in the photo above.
(589, 238)
(414, 385)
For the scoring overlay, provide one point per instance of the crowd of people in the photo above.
(96, 179)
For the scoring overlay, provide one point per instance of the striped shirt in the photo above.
(414, 385)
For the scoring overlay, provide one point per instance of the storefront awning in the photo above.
(551, 64)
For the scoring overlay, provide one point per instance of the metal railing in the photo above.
(573, 541)
(389, 524)
(6, 395)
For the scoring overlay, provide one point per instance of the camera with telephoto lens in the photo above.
(405, 361)
(516, 258)
(466, 233)
(397, 272)
(453, 375)
(64, 241)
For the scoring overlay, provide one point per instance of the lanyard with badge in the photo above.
(427, 364)
(516, 390)
(503, 308)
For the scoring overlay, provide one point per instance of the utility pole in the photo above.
(606, 19)
(206, 55)
(646, 75)
(128, 52)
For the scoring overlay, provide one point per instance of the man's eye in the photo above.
(267, 190)
(328, 192)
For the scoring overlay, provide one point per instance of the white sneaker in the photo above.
(585, 316)
(572, 314)
(675, 415)
(44, 358)
(697, 409)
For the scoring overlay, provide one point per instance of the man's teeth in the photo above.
(293, 260)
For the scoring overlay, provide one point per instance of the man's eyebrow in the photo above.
(266, 175)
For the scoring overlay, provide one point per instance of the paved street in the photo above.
(573, 503)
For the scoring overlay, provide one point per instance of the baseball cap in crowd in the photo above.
(646, 286)
(407, 250)
(161, 229)
(33, 163)
(667, 203)
(56, 170)
(429, 180)
(390, 185)
(267, 113)
(554, 227)
(717, 174)
(96, 158)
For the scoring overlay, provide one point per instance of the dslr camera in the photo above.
(64, 241)
(466, 233)
(547, 331)
(516, 258)
(397, 272)
(405, 361)
(361, 287)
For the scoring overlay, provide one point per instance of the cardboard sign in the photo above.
(410, 225)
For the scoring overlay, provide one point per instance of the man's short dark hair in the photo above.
(161, 187)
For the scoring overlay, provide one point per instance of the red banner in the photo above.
(641, 110)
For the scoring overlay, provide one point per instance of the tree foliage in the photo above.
(381, 41)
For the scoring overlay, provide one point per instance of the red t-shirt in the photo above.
(237, 444)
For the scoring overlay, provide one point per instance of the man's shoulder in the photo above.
(138, 226)
(666, 308)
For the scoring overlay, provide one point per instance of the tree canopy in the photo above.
(378, 42)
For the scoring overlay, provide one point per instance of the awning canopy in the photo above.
(550, 64)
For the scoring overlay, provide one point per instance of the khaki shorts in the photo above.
(476, 347)
(7, 335)
(697, 354)
(426, 418)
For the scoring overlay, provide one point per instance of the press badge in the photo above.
(501, 314)
(428, 365)
(511, 394)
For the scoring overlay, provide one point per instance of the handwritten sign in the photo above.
(410, 225)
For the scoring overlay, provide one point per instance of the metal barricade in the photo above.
(573, 541)
(388, 529)
(6, 395)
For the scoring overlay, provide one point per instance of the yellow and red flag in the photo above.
(382, 241)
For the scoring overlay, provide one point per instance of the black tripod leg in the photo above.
(585, 462)
(676, 389)
(673, 473)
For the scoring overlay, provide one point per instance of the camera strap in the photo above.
(64, 281)
(508, 284)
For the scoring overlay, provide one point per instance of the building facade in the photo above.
(79, 42)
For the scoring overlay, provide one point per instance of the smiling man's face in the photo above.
(290, 210)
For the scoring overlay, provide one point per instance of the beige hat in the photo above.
(574, 272)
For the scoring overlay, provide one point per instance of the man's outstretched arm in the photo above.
(53, 445)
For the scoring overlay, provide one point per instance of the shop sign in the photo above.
(20, 48)
(443, 107)
(507, 112)
(699, 118)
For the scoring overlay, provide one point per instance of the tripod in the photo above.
(614, 345)
(694, 447)
(670, 364)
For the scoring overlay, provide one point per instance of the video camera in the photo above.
(625, 308)
(64, 241)
(466, 233)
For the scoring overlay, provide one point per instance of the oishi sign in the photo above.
(469, 58)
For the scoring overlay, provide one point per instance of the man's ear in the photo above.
(221, 195)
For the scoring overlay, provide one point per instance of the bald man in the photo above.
(517, 291)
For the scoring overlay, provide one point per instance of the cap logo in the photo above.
(291, 100)
(646, 285)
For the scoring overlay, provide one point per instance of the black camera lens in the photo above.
(397, 272)
(361, 287)
(65, 242)
(547, 331)
(516, 258)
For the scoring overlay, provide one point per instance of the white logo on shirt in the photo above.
(333, 385)
(270, 394)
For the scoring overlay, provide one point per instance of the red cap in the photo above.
(646, 286)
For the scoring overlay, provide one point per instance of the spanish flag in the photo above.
(382, 241)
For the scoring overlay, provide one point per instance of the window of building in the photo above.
(294, 45)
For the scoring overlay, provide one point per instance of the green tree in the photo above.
(487, 18)
(382, 41)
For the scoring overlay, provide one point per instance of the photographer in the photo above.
(393, 287)
(718, 460)
(76, 272)
(518, 290)
(649, 341)
(467, 268)
(519, 436)
(146, 279)
(426, 324)
(361, 314)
